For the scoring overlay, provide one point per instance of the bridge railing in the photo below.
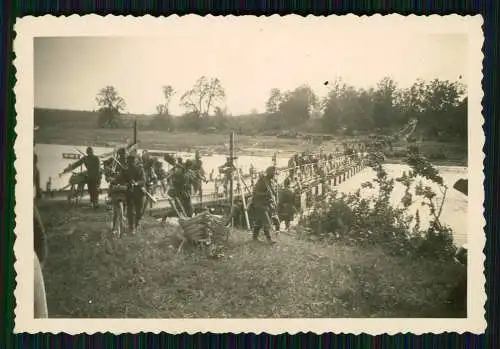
(315, 174)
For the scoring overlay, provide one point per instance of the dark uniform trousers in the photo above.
(93, 186)
(185, 200)
(262, 220)
(92, 164)
(135, 202)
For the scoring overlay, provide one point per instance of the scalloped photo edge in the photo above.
(28, 28)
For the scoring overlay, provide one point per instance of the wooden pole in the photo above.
(135, 131)
(231, 176)
(275, 164)
(243, 199)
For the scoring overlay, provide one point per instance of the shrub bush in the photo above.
(367, 219)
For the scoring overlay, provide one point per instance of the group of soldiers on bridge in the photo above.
(137, 179)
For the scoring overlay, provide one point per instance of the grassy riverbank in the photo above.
(440, 153)
(171, 141)
(144, 277)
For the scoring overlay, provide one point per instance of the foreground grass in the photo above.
(144, 277)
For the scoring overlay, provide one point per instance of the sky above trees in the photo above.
(248, 60)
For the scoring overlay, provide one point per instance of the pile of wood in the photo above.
(205, 230)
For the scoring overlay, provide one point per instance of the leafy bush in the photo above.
(368, 219)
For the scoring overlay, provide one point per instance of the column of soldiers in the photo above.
(141, 177)
(301, 166)
(185, 178)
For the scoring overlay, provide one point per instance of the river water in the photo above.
(51, 163)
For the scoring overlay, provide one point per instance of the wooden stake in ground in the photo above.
(242, 192)
(231, 175)
(135, 131)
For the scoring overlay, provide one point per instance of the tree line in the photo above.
(440, 106)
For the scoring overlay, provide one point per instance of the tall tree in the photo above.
(383, 112)
(162, 120)
(203, 96)
(168, 93)
(274, 101)
(296, 106)
(111, 105)
(442, 100)
(339, 107)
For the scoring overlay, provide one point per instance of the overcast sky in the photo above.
(249, 61)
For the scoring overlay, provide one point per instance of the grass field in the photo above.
(143, 276)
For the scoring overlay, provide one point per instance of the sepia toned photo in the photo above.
(232, 174)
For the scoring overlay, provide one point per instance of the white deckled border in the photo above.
(93, 25)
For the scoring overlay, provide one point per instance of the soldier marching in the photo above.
(135, 178)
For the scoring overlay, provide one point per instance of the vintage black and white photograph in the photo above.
(257, 168)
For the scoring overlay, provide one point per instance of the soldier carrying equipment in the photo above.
(93, 166)
(263, 204)
(136, 179)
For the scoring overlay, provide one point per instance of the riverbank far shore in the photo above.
(440, 153)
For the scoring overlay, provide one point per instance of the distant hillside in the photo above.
(78, 118)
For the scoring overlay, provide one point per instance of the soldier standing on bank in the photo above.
(93, 166)
(136, 179)
(286, 201)
(181, 188)
(263, 203)
(291, 165)
(199, 174)
(161, 175)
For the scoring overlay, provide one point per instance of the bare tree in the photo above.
(160, 109)
(168, 93)
(205, 95)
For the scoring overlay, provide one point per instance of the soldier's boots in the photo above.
(269, 239)
(255, 237)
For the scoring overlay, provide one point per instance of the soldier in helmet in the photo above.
(263, 204)
(115, 172)
(199, 174)
(93, 166)
(136, 179)
(181, 187)
(161, 174)
(287, 202)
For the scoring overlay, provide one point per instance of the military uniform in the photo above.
(226, 172)
(136, 179)
(263, 204)
(36, 177)
(160, 174)
(286, 207)
(181, 189)
(93, 166)
(148, 165)
(117, 178)
(200, 174)
(291, 165)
